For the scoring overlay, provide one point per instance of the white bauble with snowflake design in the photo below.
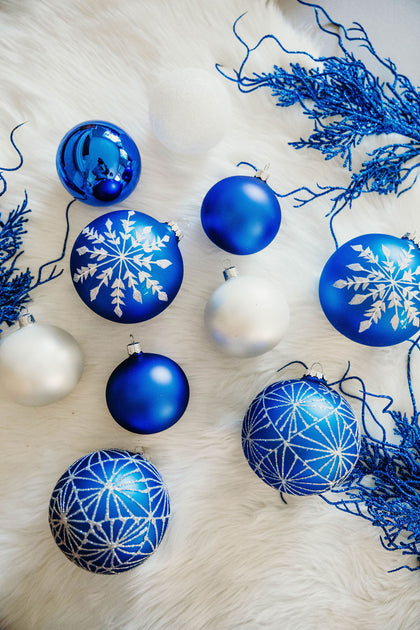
(127, 266)
(370, 289)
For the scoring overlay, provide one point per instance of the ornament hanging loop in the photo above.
(314, 372)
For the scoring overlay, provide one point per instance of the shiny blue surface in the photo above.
(126, 266)
(147, 393)
(98, 163)
(241, 214)
(369, 289)
(109, 511)
(300, 436)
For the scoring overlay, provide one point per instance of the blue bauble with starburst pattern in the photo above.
(370, 289)
(98, 163)
(127, 266)
(109, 511)
(300, 436)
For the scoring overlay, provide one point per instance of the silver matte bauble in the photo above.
(246, 316)
(39, 363)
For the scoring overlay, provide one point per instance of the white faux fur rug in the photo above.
(234, 556)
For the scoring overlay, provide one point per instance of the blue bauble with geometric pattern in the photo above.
(127, 266)
(300, 436)
(241, 214)
(98, 163)
(109, 511)
(370, 289)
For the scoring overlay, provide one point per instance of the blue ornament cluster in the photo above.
(109, 511)
(300, 436)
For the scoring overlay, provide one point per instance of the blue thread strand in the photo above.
(54, 275)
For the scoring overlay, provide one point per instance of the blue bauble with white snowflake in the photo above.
(370, 289)
(98, 163)
(241, 214)
(127, 266)
(147, 392)
(300, 436)
(109, 511)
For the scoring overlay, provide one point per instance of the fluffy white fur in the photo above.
(234, 555)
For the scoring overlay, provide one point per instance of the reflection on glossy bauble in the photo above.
(98, 163)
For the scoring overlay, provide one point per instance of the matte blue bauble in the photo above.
(127, 266)
(300, 436)
(98, 163)
(369, 289)
(241, 214)
(109, 511)
(147, 393)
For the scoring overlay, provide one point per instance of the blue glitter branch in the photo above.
(346, 103)
(15, 285)
(384, 486)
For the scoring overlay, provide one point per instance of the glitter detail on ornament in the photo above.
(109, 511)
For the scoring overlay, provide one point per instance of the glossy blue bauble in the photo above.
(241, 214)
(127, 266)
(300, 436)
(98, 163)
(109, 511)
(147, 393)
(369, 289)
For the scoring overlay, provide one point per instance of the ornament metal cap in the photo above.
(414, 237)
(230, 272)
(133, 347)
(26, 319)
(263, 174)
(175, 228)
(312, 372)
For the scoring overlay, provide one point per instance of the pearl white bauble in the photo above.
(189, 110)
(246, 316)
(39, 364)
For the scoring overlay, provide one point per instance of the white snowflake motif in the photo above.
(122, 260)
(386, 284)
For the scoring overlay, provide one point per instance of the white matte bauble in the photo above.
(190, 110)
(246, 316)
(39, 363)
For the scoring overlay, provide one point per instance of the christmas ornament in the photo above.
(346, 103)
(109, 511)
(300, 436)
(189, 110)
(98, 163)
(127, 266)
(369, 289)
(147, 393)
(241, 214)
(39, 363)
(246, 316)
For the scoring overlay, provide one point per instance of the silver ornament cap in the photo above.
(133, 347)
